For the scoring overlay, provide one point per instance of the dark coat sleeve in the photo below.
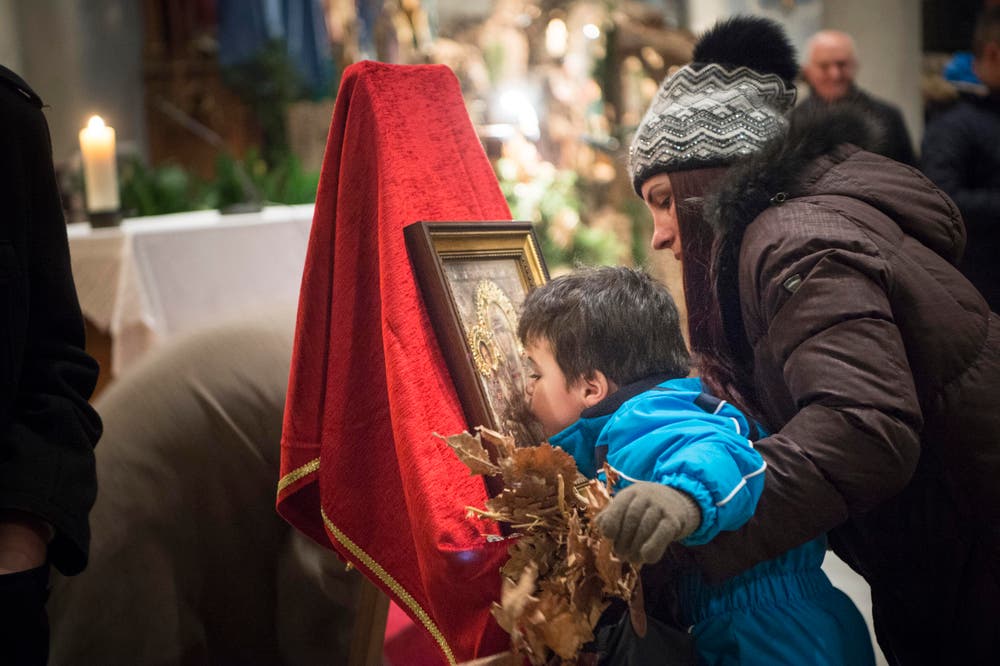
(900, 148)
(954, 143)
(892, 139)
(47, 428)
(832, 373)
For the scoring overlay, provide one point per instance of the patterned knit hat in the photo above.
(726, 104)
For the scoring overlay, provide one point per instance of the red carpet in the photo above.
(405, 643)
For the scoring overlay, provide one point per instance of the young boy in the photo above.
(607, 379)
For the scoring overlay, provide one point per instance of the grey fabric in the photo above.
(645, 517)
(708, 115)
(189, 561)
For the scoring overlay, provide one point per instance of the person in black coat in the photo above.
(961, 154)
(830, 68)
(47, 428)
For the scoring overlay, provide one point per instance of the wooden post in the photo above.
(368, 633)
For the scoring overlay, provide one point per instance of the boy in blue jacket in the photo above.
(607, 380)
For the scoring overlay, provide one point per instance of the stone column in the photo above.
(82, 57)
(10, 44)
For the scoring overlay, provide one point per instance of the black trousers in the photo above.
(24, 624)
(616, 643)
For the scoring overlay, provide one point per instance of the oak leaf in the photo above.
(515, 596)
(562, 572)
(470, 450)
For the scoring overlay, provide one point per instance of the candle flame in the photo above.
(95, 122)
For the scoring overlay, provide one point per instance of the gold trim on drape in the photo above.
(392, 584)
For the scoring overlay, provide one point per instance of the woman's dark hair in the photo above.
(721, 373)
(614, 319)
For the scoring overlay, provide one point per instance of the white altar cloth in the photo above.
(154, 277)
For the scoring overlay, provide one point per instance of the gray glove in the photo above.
(644, 518)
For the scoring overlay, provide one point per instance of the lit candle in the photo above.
(100, 173)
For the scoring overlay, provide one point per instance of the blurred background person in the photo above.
(830, 68)
(961, 154)
(190, 563)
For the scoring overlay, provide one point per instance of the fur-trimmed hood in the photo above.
(829, 151)
(825, 152)
(869, 356)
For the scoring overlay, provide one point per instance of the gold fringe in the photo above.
(392, 584)
(298, 473)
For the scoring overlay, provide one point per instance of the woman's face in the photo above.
(659, 197)
(556, 403)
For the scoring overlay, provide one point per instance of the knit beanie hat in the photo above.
(726, 104)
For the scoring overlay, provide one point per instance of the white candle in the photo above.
(100, 172)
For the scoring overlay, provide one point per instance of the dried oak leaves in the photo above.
(562, 573)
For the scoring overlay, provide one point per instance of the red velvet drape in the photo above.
(361, 469)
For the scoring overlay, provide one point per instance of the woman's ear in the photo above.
(596, 387)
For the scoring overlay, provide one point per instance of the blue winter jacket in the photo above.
(780, 611)
(670, 432)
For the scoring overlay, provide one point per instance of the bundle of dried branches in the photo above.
(562, 574)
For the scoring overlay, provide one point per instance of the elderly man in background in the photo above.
(830, 67)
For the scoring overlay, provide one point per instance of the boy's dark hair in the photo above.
(614, 319)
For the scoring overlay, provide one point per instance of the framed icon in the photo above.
(474, 277)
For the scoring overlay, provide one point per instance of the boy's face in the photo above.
(553, 403)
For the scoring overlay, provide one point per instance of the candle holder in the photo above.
(104, 218)
(100, 173)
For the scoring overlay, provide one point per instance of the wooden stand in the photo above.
(99, 346)
(368, 633)
(104, 218)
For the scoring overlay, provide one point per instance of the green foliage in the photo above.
(550, 198)
(232, 185)
(286, 182)
(493, 56)
(159, 190)
(594, 247)
(642, 228)
(170, 188)
(268, 83)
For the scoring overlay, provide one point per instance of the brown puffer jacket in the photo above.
(877, 366)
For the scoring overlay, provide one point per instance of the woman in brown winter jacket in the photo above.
(823, 296)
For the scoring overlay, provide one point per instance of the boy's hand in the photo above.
(644, 518)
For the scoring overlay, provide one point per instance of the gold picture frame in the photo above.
(474, 277)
